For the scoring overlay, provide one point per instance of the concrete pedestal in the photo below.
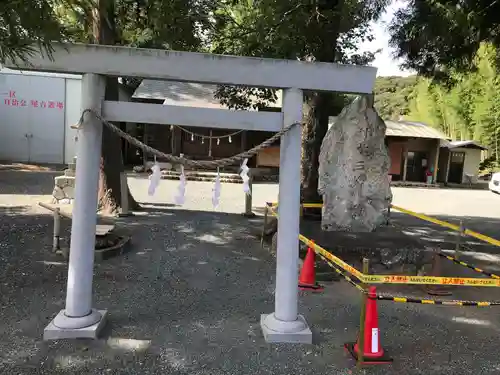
(277, 331)
(54, 332)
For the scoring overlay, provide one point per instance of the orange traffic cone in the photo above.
(307, 279)
(372, 351)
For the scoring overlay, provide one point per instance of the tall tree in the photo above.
(434, 35)
(392, 95)
(173, 24)
(313, 30)
(26, 27)
(467, 105)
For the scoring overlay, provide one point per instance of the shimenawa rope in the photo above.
(181, 160)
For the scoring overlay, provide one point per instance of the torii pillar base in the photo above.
(55, 332)
(276, 331)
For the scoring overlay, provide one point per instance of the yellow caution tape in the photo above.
(451, 226)
(429, 280)
(339, 262)
(312, 205)
(435, 302)
(397, 279)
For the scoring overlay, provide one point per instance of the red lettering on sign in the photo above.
(60, 105)
(12, 94)
(34, 103)
(43, 104)
(23, 103)
(7, 101)
(52, 104)
(14, 102)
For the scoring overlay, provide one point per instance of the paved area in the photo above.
(187, 299)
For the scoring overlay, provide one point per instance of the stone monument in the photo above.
(64, 186)
(353, 170)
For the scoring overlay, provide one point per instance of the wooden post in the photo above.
(458, 240)
(124, 195)
(364, 298)
(405, 161)
(145, 141)
(57, 230)
(264, 226)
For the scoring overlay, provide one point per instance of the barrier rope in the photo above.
(383, 297)
(445, 224)
(181, 160)
(389, 279)
(453, 259)
(353, 282)
(472, 267)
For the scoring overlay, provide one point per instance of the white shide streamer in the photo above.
(154, 179)
(244, 176)
(216, 191)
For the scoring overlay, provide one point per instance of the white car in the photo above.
(494, 184)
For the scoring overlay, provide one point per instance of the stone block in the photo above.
(52, 332)
(69, 173)
(64, 189)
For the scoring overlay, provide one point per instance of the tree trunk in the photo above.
(318, 108)
(313, 131)
(109, 193)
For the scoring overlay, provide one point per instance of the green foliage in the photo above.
(28, 26)
(468, 107)
(434, 35)
(392, 95)
(310, 30)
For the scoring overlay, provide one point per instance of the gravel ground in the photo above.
(187, 299)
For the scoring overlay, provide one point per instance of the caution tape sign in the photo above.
(429, 280)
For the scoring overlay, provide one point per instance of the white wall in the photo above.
(471, 162)
(53, 140)
(32, 113)
(73, 112)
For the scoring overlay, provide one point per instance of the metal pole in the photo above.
(57, 230)
(285, 325)
(364, 297)
(458, 240)
(78, 313)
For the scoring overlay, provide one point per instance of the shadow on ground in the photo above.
(187, 300)
(27, 182)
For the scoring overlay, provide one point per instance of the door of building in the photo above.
(456, 171)
(416, 165)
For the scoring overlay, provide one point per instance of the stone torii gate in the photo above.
(79, 319)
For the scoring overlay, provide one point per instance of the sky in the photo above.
(386, 65)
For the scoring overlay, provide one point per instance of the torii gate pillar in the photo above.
(284, 325)
(79, 319)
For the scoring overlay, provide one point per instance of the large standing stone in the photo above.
(353, 170)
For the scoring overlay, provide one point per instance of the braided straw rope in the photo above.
(181, 160)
